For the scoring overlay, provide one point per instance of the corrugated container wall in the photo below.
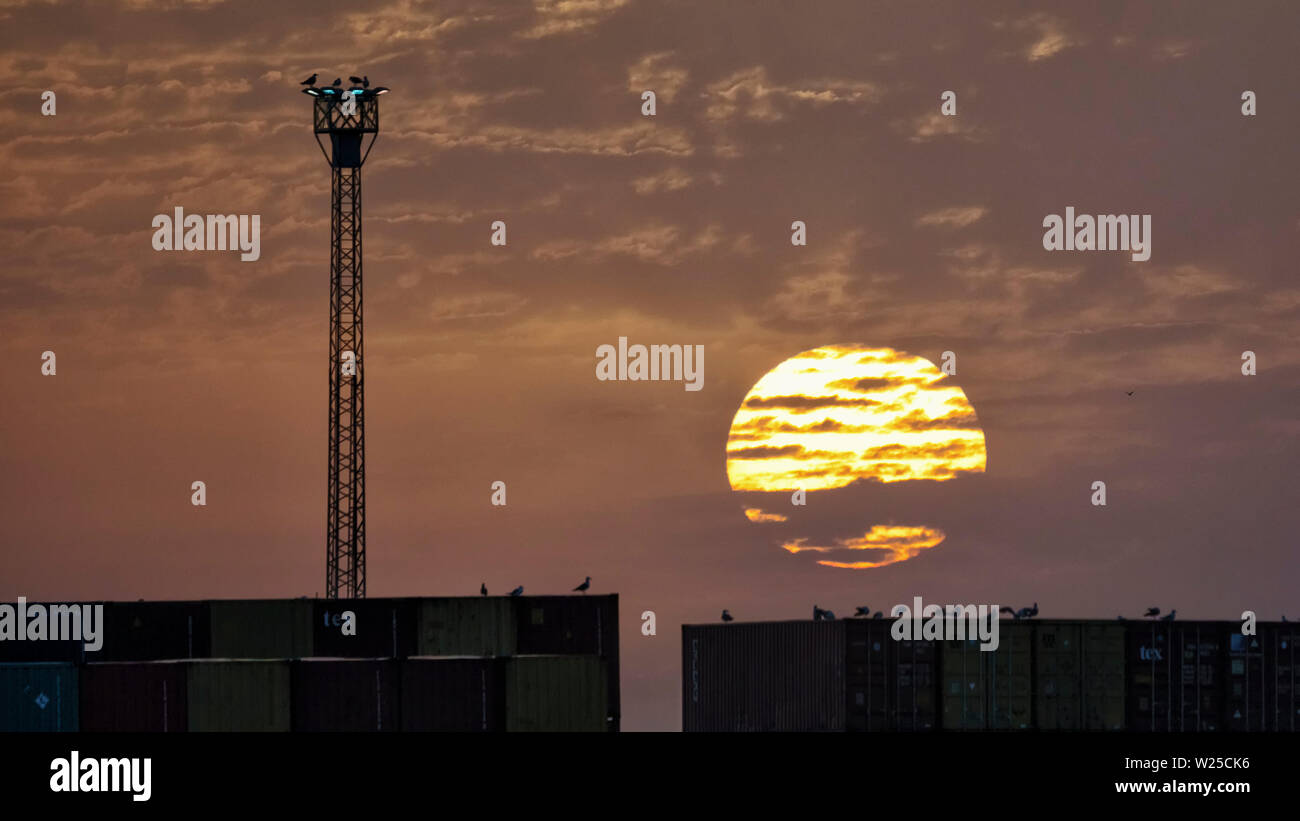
(1281, 702)
(39, 697)
(783, 676)
(147, 631)
(135, 697)
(1103, 677)
(1011, 677)
(13, 650)
(484, 626)
(238, 696)
(1175, 673)
(573, 625)
(453, 695)
(262, 629)
(556, 694)
(377, 628)
(348, 696)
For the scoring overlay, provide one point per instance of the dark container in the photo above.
(1176, 676)
(237, 696)
(765, 676)
(261, 629)
(556, 694)
(134, 697)
(891, 684)
(573, 625)
(353, 695)
(1248, 706)
(39, 697)
(453, 695)
(379, 628)
(150, 631)
(1010, 672)
(1281, 704)
(15, 651)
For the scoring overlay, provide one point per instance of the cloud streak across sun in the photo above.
(842, 413)
(899, 542)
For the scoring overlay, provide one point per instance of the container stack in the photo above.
(852, 675)
(539, 663)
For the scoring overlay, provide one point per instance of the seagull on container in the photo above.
(310, 81)
(518, 591)
(726, 616)
(828, 615)
(356, 81)
(482, 589)
(862, 611)
(878, 615)
(1013, 612)
(1169, 616)
(338, 81)
(1152, 612)
(1029, 612)
(584, 587)
(818, 613)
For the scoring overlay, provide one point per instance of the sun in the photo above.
(840, 414)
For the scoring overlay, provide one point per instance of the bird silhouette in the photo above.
(518, 591)
(1120, 618)
(482, 589)
(1284, 617)
(818, 613)
(1169, 616)
(1015, 614)
(1152, 612)
(310, 81)
(365, 82)
(356, 81)
(1029, 612)
(862, 611)
(338, 81)
(1130, 393)
(878, 615)
(584, 587)
(726, 616)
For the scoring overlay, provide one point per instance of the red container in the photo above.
(133, 697)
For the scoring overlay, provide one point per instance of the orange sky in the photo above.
(924, 235)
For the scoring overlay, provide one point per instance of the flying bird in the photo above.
(584, 587)
(518, 591)
(726, 616)
(862, 611)
(356, 81)
(1169, 616)
(482, 589)
(338, 81)
(1130, 393)
(1152, 612)
(310, 81)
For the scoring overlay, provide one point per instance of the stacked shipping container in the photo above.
(459, 664)
(1047, 675)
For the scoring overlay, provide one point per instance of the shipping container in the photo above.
(261, 629)
(453, 695)
(1176, 676)
(44, 650)
(238, 696)
(148, 631)
(556, 694)
(573, 625)
(134, 697)
(352, 695)
(963, 685)
(39, 697)
(1010, 677)
(377, 628)
(1247, 705)
(765, 676)
(1281, 702)
(483, 626)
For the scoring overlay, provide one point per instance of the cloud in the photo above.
(750, 95)
(654, 72)
(900, 542)
(953, 217)
(558, 17)
(755, 514)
